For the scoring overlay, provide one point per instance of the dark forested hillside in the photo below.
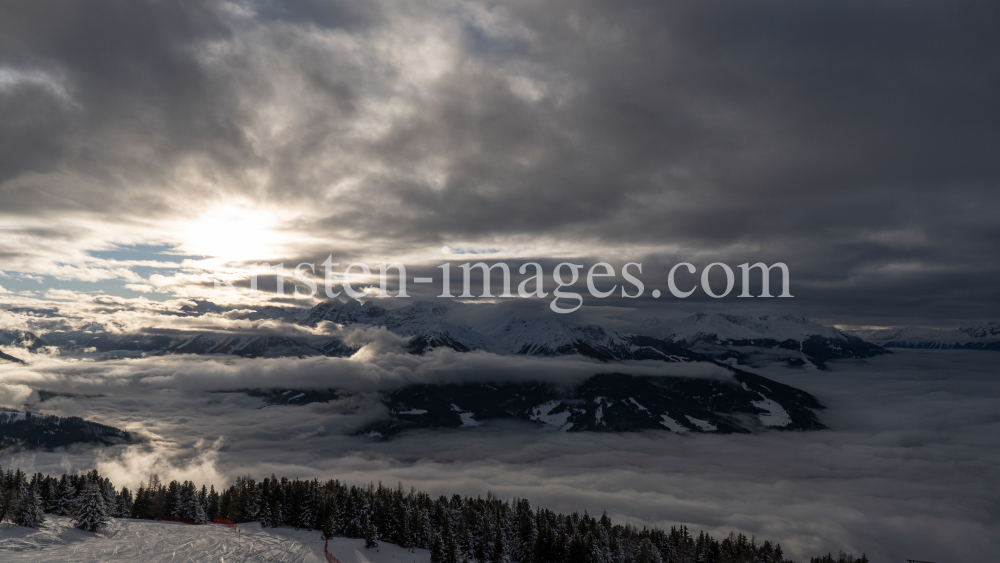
(455, 529)
(25, 430)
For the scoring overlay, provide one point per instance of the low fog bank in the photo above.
(907, 469)
(380, 365)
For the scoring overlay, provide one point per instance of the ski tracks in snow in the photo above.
(155, 542)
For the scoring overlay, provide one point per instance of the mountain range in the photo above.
(750, 341)
(745, 340)
(732, 339)
(612, 402)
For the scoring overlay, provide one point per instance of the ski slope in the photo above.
(129, 540)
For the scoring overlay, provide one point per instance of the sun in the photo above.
(232, 233)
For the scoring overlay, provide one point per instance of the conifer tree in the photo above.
(437, 549)
(91, 512)
(29, 512)
(367, 524)
(213, 509)
(500, 550)
(648, 553)
(122, 504)
(65, 498)
(307, 515)
(265, 516)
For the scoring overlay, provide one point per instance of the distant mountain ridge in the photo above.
(257, 346)
(742, 338)
(732, 339)
(426, 324)
(979, 336)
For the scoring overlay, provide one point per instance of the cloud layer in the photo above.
(906, 468)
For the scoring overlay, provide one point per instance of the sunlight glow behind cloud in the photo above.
(233, 233)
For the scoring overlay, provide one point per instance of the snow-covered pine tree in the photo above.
(526, 531)
(30, 513)
(203, 501)
(190, 506)
(123, 503)
(277, 514)
(331, 525)
(648, 553)
(107, 489)
(193, 504)
(65, 498)
(404, 535)
(425, 530)
(173, 502)
(91, 512)
(415, 528)
(48, 487)
(213, 503)
(266, 518)
(437, 549)
(500, 551)
(366, 522)
(307, 514)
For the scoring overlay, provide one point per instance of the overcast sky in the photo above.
(855, 141)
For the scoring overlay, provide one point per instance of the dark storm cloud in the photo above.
(854, 141)
(138, 99)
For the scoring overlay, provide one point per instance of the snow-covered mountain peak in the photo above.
(20, 339)
(521, 335)
(982, 330)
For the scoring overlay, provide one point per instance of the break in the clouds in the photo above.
(143, 144)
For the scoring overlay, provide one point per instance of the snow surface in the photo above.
(543, 413)
(775, 417)
(353, 551)
(130, 540)
(673, 425)
(467, 417)
(703, 424)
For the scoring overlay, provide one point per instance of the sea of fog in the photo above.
(907, 470)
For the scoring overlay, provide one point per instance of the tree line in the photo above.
(455, 529)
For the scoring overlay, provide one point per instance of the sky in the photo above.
(146, 145)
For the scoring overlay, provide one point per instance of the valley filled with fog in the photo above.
(904, 469)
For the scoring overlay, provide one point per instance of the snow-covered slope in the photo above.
(127, 541)
(981, 336)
